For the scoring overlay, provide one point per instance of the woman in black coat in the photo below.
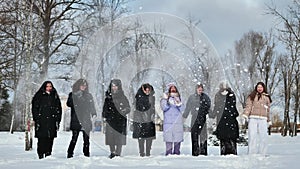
(115, 110)
(227, 126)
(46, 112)
(82, 110)
(143, 125)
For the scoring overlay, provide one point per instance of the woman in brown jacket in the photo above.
(258, 112)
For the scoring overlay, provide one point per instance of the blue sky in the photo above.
(223, 21)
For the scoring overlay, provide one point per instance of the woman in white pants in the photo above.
(257, 111)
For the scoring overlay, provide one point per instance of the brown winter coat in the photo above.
(258, 108)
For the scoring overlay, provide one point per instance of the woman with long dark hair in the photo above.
(258, 112)
(82, 110)
(172, 106)
(143, 117)
(46, 113)
(115, 110)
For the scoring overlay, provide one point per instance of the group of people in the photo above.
(47, 111)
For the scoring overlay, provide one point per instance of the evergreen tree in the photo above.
(5, 110)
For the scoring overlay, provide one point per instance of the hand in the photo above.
(94, 116)
(269, 123)
(245, 117)
(165, 96)
(37, 126)
(57, 126)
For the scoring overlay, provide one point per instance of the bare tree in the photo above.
(290, 37)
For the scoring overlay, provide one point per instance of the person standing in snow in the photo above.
(46, 113)
(172, 107)
(82, 110)
(226, 113)
(198, 105)
(115, 109)
(143, 125)
(257, 112)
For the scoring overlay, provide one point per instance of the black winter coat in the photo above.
(199, 107)
(143, 117)
(82, 109)
(115, 110)
(226, 111)
(46, 112)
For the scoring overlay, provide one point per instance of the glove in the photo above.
(269, 123)
(245, 117)
(165, 96)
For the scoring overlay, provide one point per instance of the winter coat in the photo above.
(82, 109)
(227, 126)
(199, 107)
(258, 108)
(46, 112)
(115, 110)
(173, 123)
(143, 117)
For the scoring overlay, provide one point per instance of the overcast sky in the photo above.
(223, 21)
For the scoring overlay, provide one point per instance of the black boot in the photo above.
(112, 155)
(41, 156)
(69, 155)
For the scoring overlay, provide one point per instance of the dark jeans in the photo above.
(142, 146)
(44, 147)
(86, 143)
(199, 149)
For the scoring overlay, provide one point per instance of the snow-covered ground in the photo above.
(283, 153)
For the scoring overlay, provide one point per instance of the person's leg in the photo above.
(263, 135)
(203, 140)
(195, 140)
(169, 148)
(177, 148)
(40, 148)
(49, 146)
(86, 144)
(233, 146)
(222, 147)
(252, 136)
(112, 149)
(141, 142)
(118, 150)
(72, 144)
(148, 146)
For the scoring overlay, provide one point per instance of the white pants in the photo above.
(257, 136)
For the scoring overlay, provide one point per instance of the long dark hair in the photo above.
(78, 83)
(43, 89)
(254, 92)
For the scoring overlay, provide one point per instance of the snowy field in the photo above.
(283, 152)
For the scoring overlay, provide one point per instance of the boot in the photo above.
(169, 148)
(41, 156)
(177, 148)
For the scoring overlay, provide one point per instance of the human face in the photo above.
(114, 88)
(199, 90)
(173, 89)
(147, 91)
(260, 88)
(82, 87)
(48, 87)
